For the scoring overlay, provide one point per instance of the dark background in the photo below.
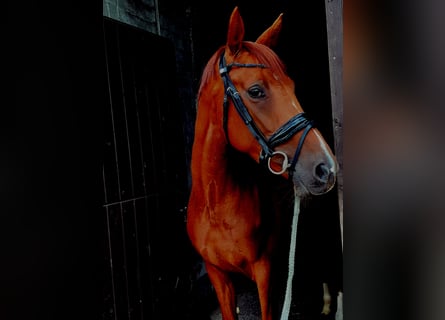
(51, 137)
(53, 128)
(51, 186)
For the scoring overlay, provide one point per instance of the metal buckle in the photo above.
(285, 164)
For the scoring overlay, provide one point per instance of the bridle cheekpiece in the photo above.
(282, 135)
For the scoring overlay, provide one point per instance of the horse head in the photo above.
(262, 115)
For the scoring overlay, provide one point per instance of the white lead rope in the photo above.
(293, 242)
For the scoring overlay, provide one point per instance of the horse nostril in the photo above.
(322, 172)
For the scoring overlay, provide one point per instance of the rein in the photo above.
(283, 134)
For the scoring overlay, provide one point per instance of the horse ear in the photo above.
(235, 34)
(270, 36)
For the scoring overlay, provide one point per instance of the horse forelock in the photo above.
(266, 56)
(263, 54)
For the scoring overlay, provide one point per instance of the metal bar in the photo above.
(124, 201)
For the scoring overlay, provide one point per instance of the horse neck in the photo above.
(220, 172)
(212, 157)
(209, 148)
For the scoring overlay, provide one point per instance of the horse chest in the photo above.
(231, 239)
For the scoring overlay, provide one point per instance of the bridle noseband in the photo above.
(282, 135)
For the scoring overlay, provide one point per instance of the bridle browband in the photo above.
(282, 135)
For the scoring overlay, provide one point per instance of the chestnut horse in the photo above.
(247, 108)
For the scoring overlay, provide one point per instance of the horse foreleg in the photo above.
(326, 300)
(225, 291)
(262, 279)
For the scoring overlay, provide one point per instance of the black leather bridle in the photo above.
(283, 134)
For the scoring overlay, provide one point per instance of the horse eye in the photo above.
(256, 92)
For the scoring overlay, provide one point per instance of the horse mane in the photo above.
(264, 54)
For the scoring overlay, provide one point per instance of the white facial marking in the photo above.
(323, 146)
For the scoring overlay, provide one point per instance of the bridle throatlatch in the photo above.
(282, 135)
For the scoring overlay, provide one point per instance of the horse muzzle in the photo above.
(319, 181)
(323, 179)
